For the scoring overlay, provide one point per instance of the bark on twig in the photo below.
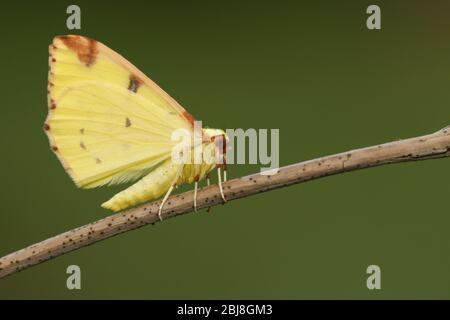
(436, 145)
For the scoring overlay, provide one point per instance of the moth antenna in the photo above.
(164, 201)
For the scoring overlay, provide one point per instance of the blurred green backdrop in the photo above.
(311, 69)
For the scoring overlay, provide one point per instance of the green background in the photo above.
(311, 69)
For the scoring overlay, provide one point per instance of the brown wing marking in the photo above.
(86, 48)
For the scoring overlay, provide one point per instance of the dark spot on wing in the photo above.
(46, 127)
(127, 122)
(55, 148)
(134, 83)
(82, 130)
(52, 104)
(98, 161)
(82, 145)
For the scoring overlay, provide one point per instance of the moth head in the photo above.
(219, 139)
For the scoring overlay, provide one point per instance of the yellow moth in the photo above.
(108, 123)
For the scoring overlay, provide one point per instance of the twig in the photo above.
(436, 145)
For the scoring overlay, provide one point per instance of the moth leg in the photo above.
(195, 195)
(220, 185)
(164, 201)
(208, 183)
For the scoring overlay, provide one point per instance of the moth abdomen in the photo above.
(150, 187)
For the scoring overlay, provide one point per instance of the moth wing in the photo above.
(108, 122)
(74, 58)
